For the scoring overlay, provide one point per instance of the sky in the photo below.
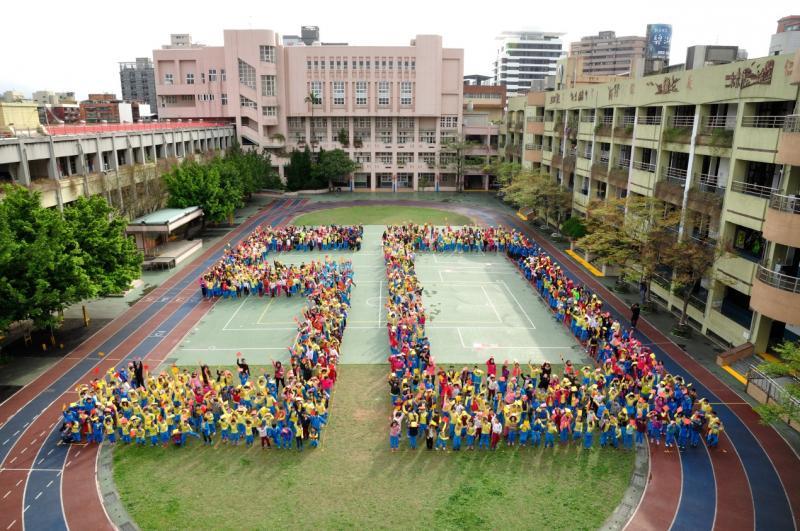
(78, 47)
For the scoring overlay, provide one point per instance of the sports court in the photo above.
(478, 305)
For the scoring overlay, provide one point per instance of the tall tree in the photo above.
(193, 184)
(538, 191)
(332, 165)
(110, 258)
(41, 267)
(298, 171)
(635, 233)
(690, 261)
(459, 163)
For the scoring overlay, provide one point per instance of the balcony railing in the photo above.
(649, 120)
(709, 184)
(644, 166)
(607, 120)
(627, 120)
(792, 123)
(605, 156)
(588, 118)
(675, 175)
(534, 119)
(756, 190)
(785, 203)
(778, 280)
(533, 147)
(764, 122)
(623, 163)
(585, 155)
(682, 121)
(719, 122)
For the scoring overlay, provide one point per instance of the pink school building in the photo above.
(392, 108)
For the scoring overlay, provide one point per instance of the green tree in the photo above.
(110, 258)
(783, 407)
(193, 184)
(41, 265)
(690, 261)
(298, 171)
(459, 164)
(633, 233)
(573, 228)
(537, 191)
(333, 165)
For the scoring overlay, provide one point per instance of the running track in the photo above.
(750, 482)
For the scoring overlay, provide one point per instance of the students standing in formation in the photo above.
(286, 409)
(628, 393)
(245, 270)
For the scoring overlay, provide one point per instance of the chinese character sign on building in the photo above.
(659, 37)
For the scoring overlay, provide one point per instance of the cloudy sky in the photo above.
(76, 46)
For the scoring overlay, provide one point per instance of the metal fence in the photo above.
(774, 390)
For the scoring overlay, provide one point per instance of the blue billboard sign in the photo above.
(659, 38)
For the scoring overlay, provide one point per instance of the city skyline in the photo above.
(100, 50)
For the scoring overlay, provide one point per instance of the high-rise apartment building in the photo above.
(720, 144)
(605, 54)
(138, 81)
(393, 109)
(787, 38)
(524, 57)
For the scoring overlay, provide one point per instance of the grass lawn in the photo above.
(382, 215)
(353, 480)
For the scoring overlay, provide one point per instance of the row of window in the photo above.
(403, 64)
(365, 123)
(169, 79)
(360, 91)
(385, 137)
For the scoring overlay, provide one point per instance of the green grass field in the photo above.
(353, 480)
(381, 215)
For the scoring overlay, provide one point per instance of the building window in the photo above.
(267, 53)
(247, 75)
(405, 93)
(247, 102)
(168, 79)
(339, 64)
(267, 85)
(295, 122)
(316, 65)
(330, 64)
(367, 64)
(202, 77)
(391, 63)
(361, 92)
(338, 92)
(308, 65)
(212, 74)
(223, 98)
(222, 75)
(316, 92)
(190, 79)
(383, 93)
(269, 110)
(448, 122)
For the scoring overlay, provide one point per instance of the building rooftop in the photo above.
(168, 216)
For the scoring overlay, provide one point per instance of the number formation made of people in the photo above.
(284, 408)
(625, 396)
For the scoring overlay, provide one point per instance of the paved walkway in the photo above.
(751, 481)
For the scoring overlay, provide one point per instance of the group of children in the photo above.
(627, 395)
(245, 270)
(288, 407)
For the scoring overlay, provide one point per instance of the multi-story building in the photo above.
(787, 38)
(605, 54)
(393, 109)
(483, 113)
(122, 162)
(702, 55)
(138, 81)
(524, 57)
(48, 97)
(721, 144)
(60, 113)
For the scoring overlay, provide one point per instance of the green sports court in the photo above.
(478, 306)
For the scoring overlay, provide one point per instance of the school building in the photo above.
(123, 162)
(720, 143)
(393, 109)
